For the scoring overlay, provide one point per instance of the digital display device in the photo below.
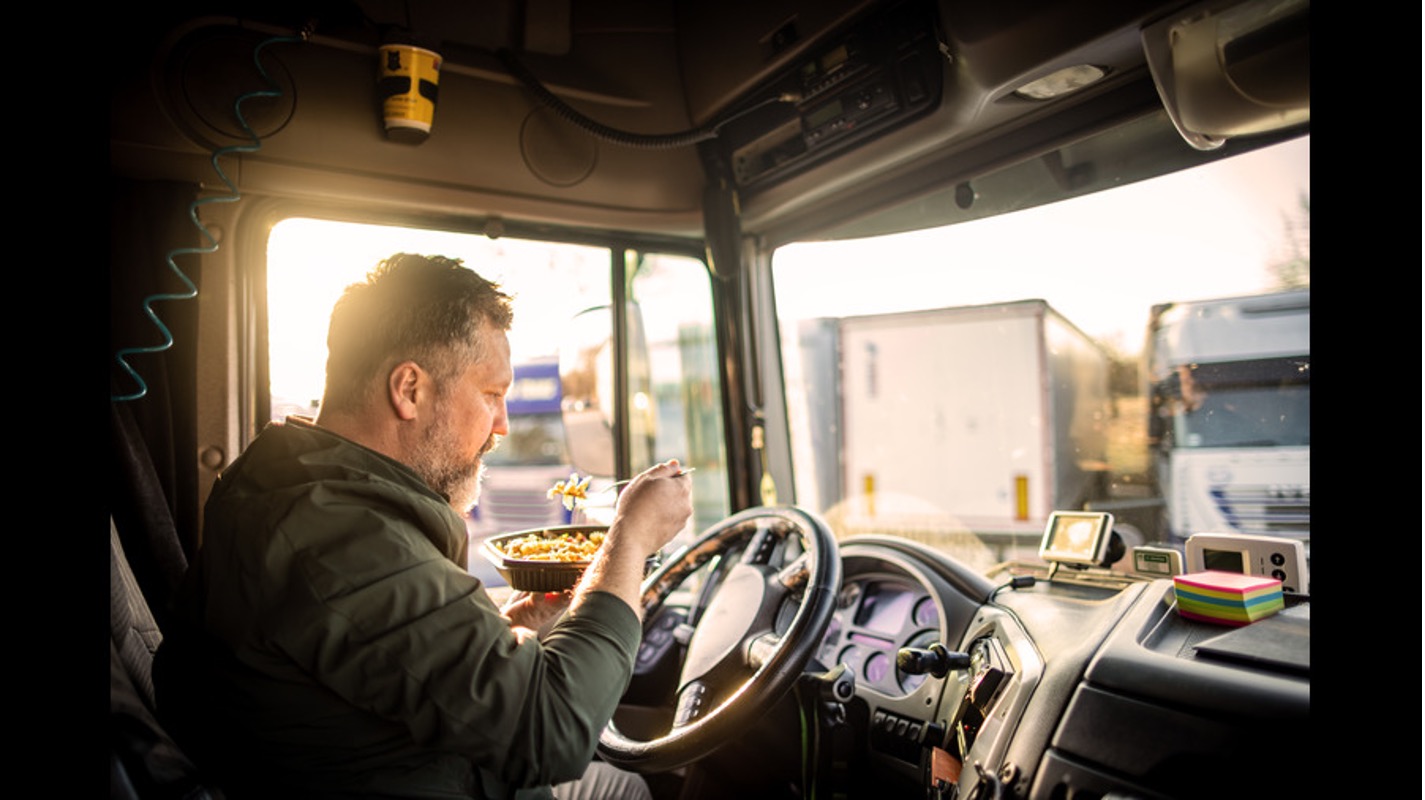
(824, 114)
(1224, 560)
(885, 609)
(1148, 560)
(1267, 556)
(1076, 537)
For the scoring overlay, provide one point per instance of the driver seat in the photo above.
(144, 761)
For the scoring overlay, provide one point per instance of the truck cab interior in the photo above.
(884, 662)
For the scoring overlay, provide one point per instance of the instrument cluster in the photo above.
(875, 617)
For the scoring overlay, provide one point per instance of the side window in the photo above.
(310, 262)
(674, 297)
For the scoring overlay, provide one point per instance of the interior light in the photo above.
(1068, 79)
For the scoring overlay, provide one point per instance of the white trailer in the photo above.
(1001, 408)
(1230, 428)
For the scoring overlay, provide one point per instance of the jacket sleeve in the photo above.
(382, 618)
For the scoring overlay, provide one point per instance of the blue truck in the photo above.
(514, 493)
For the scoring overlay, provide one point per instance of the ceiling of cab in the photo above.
(793, 103)
(304, 83)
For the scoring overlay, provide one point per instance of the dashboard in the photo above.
(1084, 685)
(1037, 686)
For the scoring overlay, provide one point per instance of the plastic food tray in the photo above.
(527, 575)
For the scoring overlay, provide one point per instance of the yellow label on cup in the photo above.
(408, 80)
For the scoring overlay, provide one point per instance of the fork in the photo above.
(680, 473)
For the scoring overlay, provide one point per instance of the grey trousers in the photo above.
(605, 782)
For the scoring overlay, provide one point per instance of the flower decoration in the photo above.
(572, 492)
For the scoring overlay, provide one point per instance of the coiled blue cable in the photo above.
(231, 197)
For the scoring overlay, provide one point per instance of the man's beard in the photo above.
(434, 460)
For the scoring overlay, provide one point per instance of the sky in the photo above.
(310, 262)
(1223, 225)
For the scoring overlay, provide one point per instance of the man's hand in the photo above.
(531, 614)
(650, 512)
(652, 509)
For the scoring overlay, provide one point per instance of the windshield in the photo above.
(1248, 416)
(974, 378)
(534, 440)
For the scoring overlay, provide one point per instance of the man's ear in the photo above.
(404, 386)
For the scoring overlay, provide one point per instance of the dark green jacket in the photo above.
(334, 644)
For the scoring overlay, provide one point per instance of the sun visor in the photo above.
(1232, 69)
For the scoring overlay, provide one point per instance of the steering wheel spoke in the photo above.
(794, 576)
(760, 547)
(761, 649)
(692, 702)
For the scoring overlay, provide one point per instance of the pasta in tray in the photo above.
(573, 492)
(564, 547)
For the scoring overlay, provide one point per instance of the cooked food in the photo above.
(571, 492)
(574, 546)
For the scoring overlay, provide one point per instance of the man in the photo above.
(331, 642)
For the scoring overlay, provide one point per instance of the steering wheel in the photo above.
(737, 665)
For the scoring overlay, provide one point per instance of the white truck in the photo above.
(1229, 426)
(514, 493)
(934, 384)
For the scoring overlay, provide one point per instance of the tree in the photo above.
(1294, 270)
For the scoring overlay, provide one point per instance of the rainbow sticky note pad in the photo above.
(1227, 598)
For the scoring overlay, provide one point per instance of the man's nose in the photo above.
(501, 424)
